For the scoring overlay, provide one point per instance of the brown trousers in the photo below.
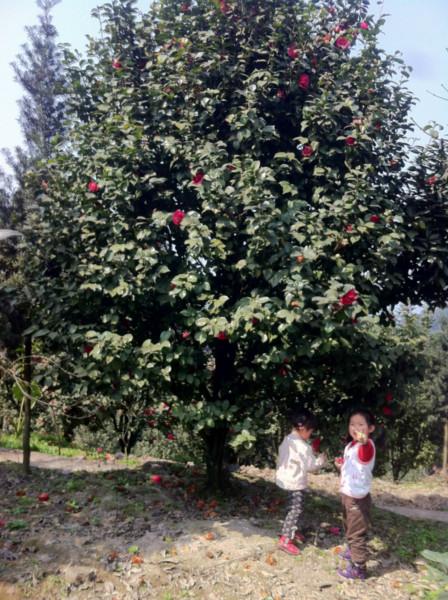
(356, 518)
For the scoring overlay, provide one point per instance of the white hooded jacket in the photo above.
(295, 460)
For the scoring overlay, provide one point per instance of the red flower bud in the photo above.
(157, 479)
(364, 25)
(307, 151)
(349, 298)
(315, 444)
(342, 43)
(374, 219)
(116, 64)
(185, 335)
(432, 180)
(350, 140)
(304, 81)
(224, 7)
(178, 217)
(198, 178)
(222, 336)
(44, 497)
(292, 51)
(93, 187)
(387, 411)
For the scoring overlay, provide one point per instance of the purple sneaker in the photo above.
(353, 572)
(346, 554)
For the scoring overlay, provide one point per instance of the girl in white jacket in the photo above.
(295, 459)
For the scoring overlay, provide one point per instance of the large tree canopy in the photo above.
(233, 210)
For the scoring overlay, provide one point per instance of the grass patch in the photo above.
(407, 538)
(40, 443)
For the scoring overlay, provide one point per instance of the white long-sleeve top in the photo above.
(356, 470)
(295, 460)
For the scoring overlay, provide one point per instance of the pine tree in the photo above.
(38, 69)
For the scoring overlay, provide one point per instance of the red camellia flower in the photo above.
(335, 530)
(148, 411)
(151, 423)
(349, 298)
(116, 64)
(315, 444)
(185, 335)
(432, 180)
(87, 348)
(222, 336)
(44, 497)
(283, 372)
(387, 411)
(374, 219)
(281, 94)
(93, 187)
(389, 397)
(254, 321)
(198, 178)
(292, 51)
(348, 228)
(342, 42)
(157, 479)
(184, 7)
(224, 7)
(350, 140)
(364, 25)
(178, 217)
(304, 81)
(230, 168)
(307, 151)
(170, 437)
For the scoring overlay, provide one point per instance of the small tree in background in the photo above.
(38, 70)
(231, 219)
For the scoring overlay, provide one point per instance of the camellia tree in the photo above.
(228, 216)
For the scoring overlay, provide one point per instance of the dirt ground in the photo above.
(108, 531)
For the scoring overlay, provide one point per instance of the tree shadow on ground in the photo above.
(107, 520)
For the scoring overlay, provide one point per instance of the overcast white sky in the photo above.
(419, 29)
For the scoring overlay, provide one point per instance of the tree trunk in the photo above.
(26, 446)
(215, 443)
(445, 449)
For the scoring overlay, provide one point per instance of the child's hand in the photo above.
(338, 462)
(361, 437)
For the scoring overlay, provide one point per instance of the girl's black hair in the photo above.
(364, 412)
(302, 417)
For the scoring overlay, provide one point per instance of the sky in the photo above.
(416, 28)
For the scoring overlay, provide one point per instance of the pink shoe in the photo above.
(299, 537)
(287, 546)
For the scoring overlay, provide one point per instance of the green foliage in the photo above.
(229, 222)
(438, 571)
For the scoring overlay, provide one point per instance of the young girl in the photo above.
(356, 477)
(295, 460)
